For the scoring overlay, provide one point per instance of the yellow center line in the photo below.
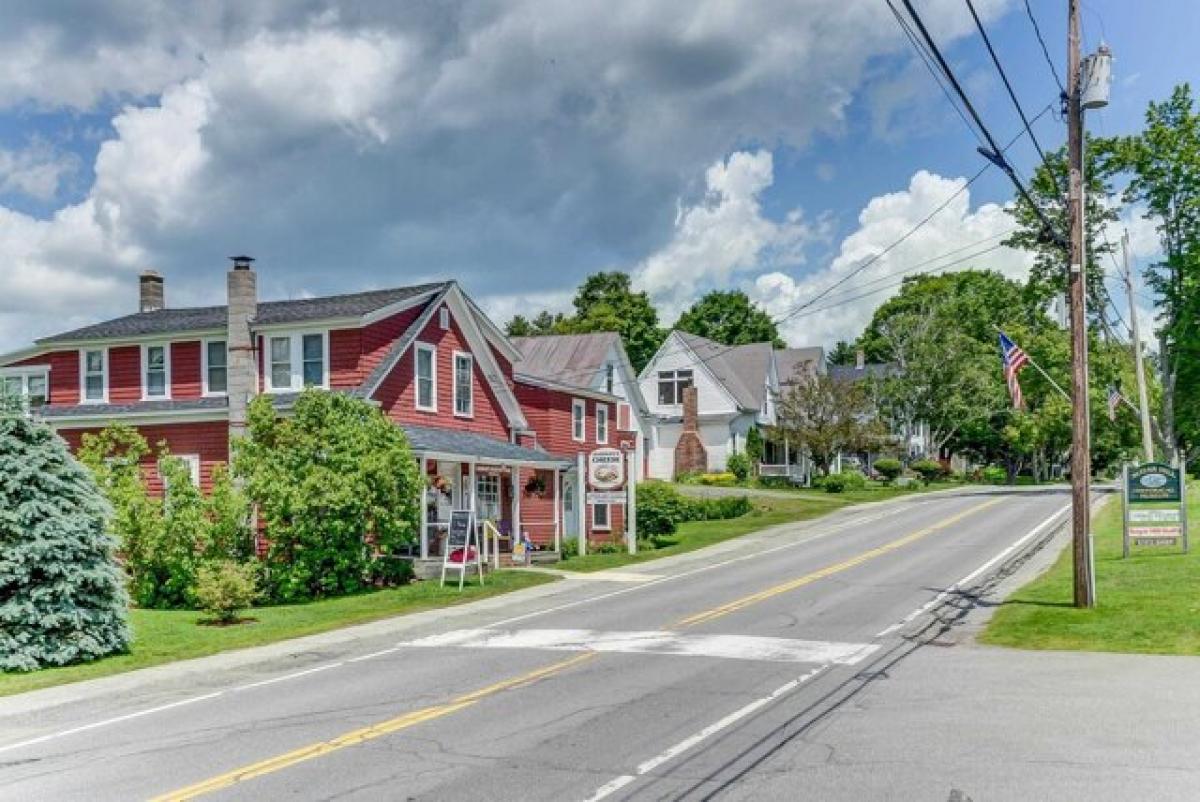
(799, 582)
(355, 737)
(410, 719)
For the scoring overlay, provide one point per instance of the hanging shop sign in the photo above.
(606, 469)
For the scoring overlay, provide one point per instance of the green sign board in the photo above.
(1153, 481)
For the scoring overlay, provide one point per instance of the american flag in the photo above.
(1114, 400)
(1014, 359)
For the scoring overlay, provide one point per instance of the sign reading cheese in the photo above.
(606, 469)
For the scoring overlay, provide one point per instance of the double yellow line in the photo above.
(355, 737)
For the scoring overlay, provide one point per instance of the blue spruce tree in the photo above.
(62, 594)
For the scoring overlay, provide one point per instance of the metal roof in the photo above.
(200, 318)
(452, 442)
(571, 359)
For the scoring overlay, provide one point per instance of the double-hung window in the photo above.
(296, 361)
(578, 419)
(95, 375)
(600, 517)
(601, 423)
(156, 373)
(29, 386)
(609, 376)
(671, 384)
(425, 367)
(464, 367)
(216, 367)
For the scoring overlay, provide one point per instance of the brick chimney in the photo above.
(150, 292)
(690, 455)
(242, 385)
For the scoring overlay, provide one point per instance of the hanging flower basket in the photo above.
(440, 484)
(536, 486)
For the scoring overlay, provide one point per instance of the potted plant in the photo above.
(536, 486)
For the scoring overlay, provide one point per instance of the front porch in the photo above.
(516, 494)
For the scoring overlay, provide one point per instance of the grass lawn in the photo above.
(1148, 603)
(163, 636)
(768, 511)
(875, 491)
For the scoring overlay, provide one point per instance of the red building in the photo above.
(487, 435)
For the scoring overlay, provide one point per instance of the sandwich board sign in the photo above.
(461, 549)
(1155, 506)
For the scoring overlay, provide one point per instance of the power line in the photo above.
(1045, 51)
(995, 154)
(1011, 92)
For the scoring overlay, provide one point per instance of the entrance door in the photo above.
(570, 511)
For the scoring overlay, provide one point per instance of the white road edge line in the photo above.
(971, 577)
(287, 677)
(106, 722)
(691, 741)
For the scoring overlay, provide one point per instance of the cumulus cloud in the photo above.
(956, 238)
(35, 171)
(515, 146)
(723, 236)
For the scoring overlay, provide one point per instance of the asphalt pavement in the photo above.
(818, 660)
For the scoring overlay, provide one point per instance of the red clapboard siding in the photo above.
(124, 374)
(208, 440)
(345, 351)
(185, 370)
(549, 415)
(354, 353)
(64, 375)
(396, 394)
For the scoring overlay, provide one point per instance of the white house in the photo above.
(735, 386)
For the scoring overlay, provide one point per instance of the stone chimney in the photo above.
(150, 292)
(242, 382)
(860, 359)
(690, 455)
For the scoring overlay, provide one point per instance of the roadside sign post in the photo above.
(1146, 521)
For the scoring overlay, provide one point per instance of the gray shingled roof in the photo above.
(200, 318)
(876, 370)
(451, 441)
(741, 369)
(789, 360)
(571, 359)
(163, 405)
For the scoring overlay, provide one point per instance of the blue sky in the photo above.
(518, 146)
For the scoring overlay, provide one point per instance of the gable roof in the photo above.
(570, 359)
(789, 360)
(742, 370)
(875, 370)
(203, 318)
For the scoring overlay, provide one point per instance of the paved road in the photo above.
(688, 678)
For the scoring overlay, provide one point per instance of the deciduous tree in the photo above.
(730, 318)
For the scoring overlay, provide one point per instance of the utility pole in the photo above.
(1081, 460)
(1143, 399)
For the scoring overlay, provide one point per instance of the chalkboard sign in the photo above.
(460, 530)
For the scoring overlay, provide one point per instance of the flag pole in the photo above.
(1038, 368)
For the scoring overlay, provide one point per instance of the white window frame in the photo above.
(676, 391)
(204, 366)
(83, 374)
(145, 370)
(601, 431)
(610, 377)
(487, 496)
(418, 349)
(25, 374)
(607, 525)
(193, 463)
(296, 359)
(578, 420)
(444, 319)
(470, 413)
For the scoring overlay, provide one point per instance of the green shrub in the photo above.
(754, 445)
(570, 548)
(854, 480)
(662, 542)
(739, 466)
(775, 482)
(889, 469)
(833, 483)
(929, 470)
(720, 509)
(224, 588)
(660, 508)
(607, 547)
(689, 478)
(338, 488)
(994, 475)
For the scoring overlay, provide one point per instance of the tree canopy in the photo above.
(730, 318)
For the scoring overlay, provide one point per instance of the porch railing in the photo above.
(794, 472)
